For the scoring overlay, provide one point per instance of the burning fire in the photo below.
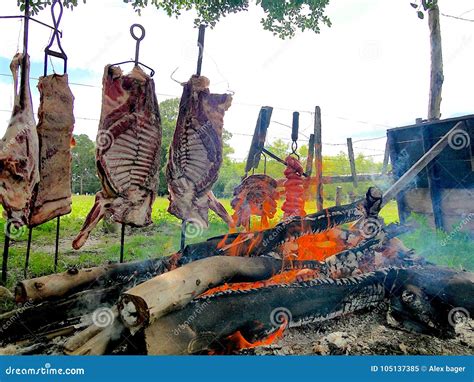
(237, 341)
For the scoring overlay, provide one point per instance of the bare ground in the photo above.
(366, 334)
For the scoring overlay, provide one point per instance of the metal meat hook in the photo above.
(138, 39)
(48, 51)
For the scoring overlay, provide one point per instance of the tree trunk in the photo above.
(436, 77)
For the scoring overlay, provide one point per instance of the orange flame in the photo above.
(237, 341)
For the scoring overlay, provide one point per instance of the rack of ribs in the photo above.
(128, 151)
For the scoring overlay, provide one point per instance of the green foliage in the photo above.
(422, 6)
(84, 178)
(282, 18)
(169, 114)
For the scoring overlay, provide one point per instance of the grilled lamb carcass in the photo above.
(52, 197)
(255, 195)
(128, 151)
(19, 152)
(195, 155)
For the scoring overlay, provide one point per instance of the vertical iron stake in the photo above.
(6, 246)
(122, 242)
(28, 248)
(200, 43)
(56, 249)
(183, 235)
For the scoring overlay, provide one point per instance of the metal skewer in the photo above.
(200, 44)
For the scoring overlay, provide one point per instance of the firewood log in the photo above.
(62, 284)
(173, 290)
(97, 337)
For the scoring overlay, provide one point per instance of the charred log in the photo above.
(207, 320)
(432, 300)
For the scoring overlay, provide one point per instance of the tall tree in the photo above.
(84, 178)
(282, 18)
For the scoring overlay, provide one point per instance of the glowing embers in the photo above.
(319, 246)
(286, 277)
(237, 341)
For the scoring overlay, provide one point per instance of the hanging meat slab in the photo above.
(56, 122)
(19, 152)
(128, 151)
(255, 195)
(195, 155)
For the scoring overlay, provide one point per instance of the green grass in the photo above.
(162, 238)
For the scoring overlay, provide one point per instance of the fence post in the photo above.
(318, 158)
(338, 195)
(386, 156)
(352, 161)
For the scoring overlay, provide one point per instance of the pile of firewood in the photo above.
(236, 290)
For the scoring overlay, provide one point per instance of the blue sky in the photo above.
(368, 72)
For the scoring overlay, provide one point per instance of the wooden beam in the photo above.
(433, 187)
(414, 170)
(310, 157)
(350, 151)
(386, 157)
(338, 195)
(318, 158)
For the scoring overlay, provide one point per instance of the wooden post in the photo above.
(350, 151)
(310, 157)
(338, 195)
(318, 158)
(386, 156)
(433, 187)
(436, 76)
